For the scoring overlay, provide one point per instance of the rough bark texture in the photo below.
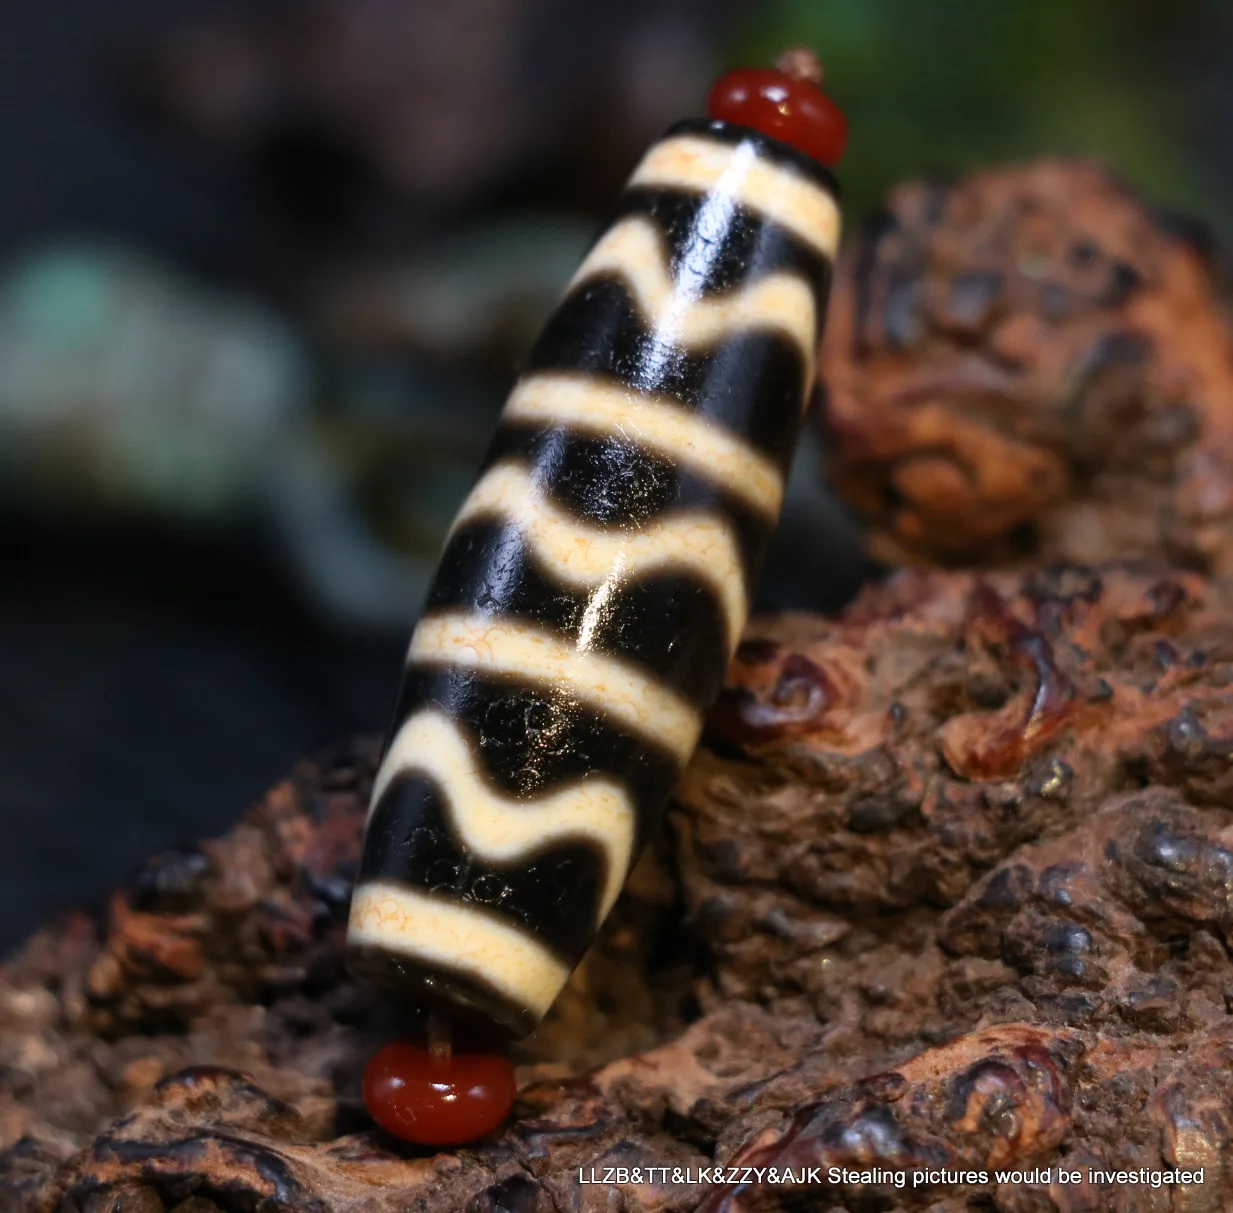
(954, 876)
(1025, 367)
(948, 885)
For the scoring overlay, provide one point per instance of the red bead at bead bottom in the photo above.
(791, 110)
(438, 1100)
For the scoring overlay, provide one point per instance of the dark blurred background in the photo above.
(267, 271)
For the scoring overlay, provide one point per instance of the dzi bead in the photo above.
(597, 579)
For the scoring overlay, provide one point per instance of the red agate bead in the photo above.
(787, 108)
(438, 1100)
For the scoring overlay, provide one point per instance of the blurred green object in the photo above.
(125, 389)
(130, 393)
(932, 88)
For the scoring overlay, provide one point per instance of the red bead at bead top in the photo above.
(789, 109)
(438, 1100)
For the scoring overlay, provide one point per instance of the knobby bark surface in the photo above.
(1027, 367)
(948, 885)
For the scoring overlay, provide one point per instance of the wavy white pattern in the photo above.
(561, 672)
(501, 829)
(711, 167)
(459, 937)
(654, 423)
(590, 557)
(679, 314)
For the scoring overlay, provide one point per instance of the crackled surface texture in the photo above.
(949, 884)
(1024, 366)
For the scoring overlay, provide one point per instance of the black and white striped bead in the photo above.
(597, 579)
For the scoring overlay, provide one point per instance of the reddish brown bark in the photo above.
(1025, 367)
(948, 887)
